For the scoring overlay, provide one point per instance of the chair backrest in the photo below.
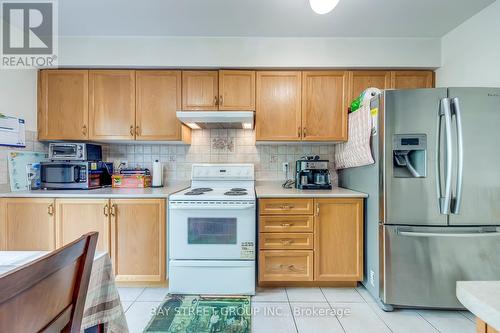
(48, 294)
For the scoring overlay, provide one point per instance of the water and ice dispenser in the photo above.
(409, 155)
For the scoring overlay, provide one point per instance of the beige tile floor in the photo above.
(314, 310)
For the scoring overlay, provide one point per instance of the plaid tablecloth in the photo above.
(102, 305)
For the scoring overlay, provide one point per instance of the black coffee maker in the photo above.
(312, 174)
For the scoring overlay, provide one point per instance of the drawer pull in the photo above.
(286, 207)
(291, 268)
(286, 225)
(286, 242)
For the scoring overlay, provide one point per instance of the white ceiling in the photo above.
(263, 18)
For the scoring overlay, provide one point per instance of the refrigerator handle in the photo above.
(444, 198)
(457, 200)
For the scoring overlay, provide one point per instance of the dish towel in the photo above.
(356, 151)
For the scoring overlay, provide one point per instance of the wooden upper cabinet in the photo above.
(138, 239)
(112, 104)
(200, 90)
(412, 79)
(158, 99)
(236, 90)
(63, 105)
(361, 80)
(324, 106)
(338, 240)
(76, 217)
(27, 224)
(278, 105)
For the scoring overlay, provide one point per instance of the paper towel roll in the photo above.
(157, 174)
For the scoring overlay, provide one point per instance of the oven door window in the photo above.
(66, 150)
(212, 230)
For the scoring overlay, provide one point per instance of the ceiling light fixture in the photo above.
(323, 6)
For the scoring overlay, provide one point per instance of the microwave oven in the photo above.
(73, 175)
(72, 151)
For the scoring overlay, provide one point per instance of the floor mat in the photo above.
(196, 314)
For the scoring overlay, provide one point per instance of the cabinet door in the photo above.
(112, 104)
(324, 106)
(361, 80)
(236, 90)
(28, 224)
(412, 79)
(63, 105)
(158, 99)
(338, 240)
(138, 239)
(76, 217)
(278, 106)
(200, 90)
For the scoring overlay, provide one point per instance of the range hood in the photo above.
(217, 119)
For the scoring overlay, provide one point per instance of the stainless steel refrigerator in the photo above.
(433, 212)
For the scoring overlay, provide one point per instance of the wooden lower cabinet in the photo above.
(324, 246)
(27, 224)
(138, 239)
(76, 217)
(482, 327)
(338, 240)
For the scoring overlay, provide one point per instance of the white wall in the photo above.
(249, 52)
(471, 52)
(18, 95)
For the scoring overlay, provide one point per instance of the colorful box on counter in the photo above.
(131, 181)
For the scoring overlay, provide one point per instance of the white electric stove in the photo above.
(212, 232)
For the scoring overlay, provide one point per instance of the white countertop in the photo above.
(482, 298)
(275, 190)
(107, 192)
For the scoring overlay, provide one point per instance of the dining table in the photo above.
(103, 308)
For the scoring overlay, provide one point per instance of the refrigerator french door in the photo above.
(439, 213)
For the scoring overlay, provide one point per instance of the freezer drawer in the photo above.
(422, 264)
(212, 277)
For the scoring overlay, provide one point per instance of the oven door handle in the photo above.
(76, 173)
(210, 207)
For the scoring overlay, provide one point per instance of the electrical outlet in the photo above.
(372, 277)
(285, 166)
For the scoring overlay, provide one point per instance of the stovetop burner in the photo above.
(202, 189)
(235, 193)
(237, 189)
(194, 193)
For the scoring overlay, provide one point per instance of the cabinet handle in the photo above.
(137, 131)
(304, 132)
(216, 100)
(298, 132)
(106, 210)
(113, 210)
(317, 209)
(84, 129)
(286, 242)
(286, 225)
(286, 207)
(50, 209)
(221, 101)
(132, 130)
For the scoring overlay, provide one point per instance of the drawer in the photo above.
(284, 241)
(286, 223)
(286, 206)
(290, 265)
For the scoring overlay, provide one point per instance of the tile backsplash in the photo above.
(207, 146)
(219, 146)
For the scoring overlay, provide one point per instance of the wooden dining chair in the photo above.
(48, 294)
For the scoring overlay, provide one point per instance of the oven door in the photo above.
(212, 230)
